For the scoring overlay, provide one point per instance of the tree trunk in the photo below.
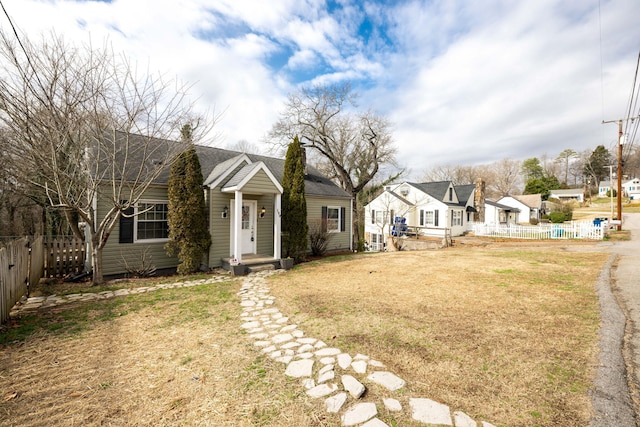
(356, 222)
(96, 260)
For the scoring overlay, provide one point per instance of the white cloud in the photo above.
(463, 82)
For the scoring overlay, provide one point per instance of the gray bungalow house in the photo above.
(243, 196)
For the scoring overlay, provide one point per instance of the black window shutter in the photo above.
(343, 217)
(373, 216)
(126, 226)
(421, 217)
(435, 217)
(324, 218)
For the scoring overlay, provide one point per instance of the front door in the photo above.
(248, 234)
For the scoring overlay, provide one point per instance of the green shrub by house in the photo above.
(294, 204)
(189, 236)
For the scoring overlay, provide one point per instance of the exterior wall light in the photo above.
(262, 212)
(225, 211)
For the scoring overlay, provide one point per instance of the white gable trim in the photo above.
(239, 160)
(260, 166)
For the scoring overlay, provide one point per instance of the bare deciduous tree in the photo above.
(86, 125)
(350, 146)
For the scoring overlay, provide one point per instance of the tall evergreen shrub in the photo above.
(189, 236)
(294, 204)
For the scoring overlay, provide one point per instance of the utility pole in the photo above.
(619, 190)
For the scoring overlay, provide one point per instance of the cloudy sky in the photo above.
(463, 82)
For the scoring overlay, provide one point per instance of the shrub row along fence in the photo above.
(575, 230)
(21, 264)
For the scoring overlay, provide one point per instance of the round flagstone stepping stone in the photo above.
(307, 340)
(376, 364)
(460, 419)
(430, 412)
(360, 357)
(305, 348)
(284, 359)
(322, 390)
(334, 403)
(344, 360)
(299, 368)
(386, 379)
(392, 404)
(289, 328)
(320, 344)
(304, 355)
(359, 413)
(323, 377)
(269, 349)
(281, 338)
(327, 360)
(353, 386)
(251, 325)
(360, 366)
(262, 343)
(297, 333)
(308, 383)
(328, 351)
(290, 344)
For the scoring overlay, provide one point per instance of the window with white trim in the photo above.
(333, 219)
(426, 218)
(151, 222)
(456, 218)
(377, 242)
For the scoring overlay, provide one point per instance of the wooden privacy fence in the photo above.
(63, 256)
(574, 230)
(21, 264)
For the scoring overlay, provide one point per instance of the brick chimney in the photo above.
(479, 200)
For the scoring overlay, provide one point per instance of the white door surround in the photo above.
(248, 232)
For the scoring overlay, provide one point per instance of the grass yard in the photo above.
(503, 332)
(167, 358)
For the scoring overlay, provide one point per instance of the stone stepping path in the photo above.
(324, 372)
(35, 303)
(328, 373)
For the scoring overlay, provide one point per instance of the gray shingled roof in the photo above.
(464, 192)
(437, 189)
(501, 206)
(315, 183)
(214, 159)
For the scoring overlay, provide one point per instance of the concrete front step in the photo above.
(262, 267)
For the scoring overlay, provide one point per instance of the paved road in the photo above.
(617, 395)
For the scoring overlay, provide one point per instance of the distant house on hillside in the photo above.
(568, 195)
(528, 205)
(497, 213)
(428, 209)
(630, 188)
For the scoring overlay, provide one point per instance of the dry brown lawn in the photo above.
(174, 357)
(505, 333)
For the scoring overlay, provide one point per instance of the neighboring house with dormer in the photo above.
(427, 209)
(528, 206)
(243, 197)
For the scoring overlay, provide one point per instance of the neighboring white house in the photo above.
(630, 188)
(567, 195)
(529, 205)
(429, 209)
(496, 213)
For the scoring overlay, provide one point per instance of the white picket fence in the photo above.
(573, 230)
